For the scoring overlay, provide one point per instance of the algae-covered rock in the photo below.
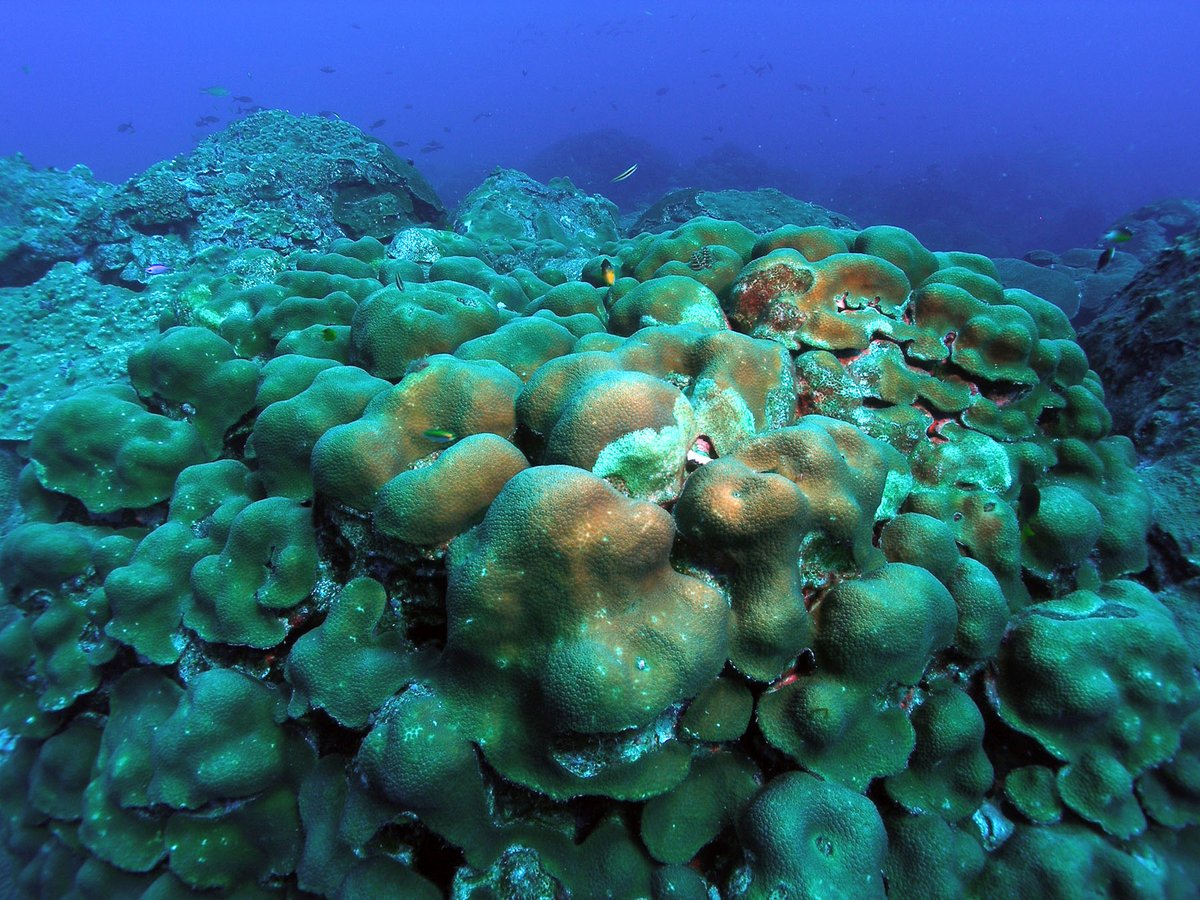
(762, 210)
(522, 222)
(273, 180)
(63, 333)
(46, 216)
(280, 181)
(1143, 347)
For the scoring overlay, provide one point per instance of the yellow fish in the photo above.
(607, 273)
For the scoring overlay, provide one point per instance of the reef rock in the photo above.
(61, 333)
(1145, 347)
(731, 166)
(762, 210)
(1156, 226)
(520, 222)
(273, 181)
(46, 216)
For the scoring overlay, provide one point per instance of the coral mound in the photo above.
(798, 563)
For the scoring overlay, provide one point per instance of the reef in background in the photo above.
(1145, 344)
(531, 559)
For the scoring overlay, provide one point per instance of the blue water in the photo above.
(999, 128)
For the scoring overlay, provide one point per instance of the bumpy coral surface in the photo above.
(793, 564)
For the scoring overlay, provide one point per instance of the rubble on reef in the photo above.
(527, 559)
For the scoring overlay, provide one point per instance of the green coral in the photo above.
(678, 824)
(351, 462)
(348, 666)
(106, 450)
(810, 838)
(1104, 682)
(149, 596)
(199, 375)
(268, 565)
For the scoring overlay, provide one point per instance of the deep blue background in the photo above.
(999, 127)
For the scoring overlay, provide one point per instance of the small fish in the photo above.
(482, 115)
(206, 120)
(125, 126)
(1105, 257)
(399, 282)
(607, 273)
(431, 146)
(1118, 235)
(399, 143)
(215, 91)
(662, 91)
(408, 106)
(243, 99)
(25, 69)
(378, 123)
(440, 435)
(157, 269)
(446, 129)
(328, 70)
(624, 174)
(328, 334)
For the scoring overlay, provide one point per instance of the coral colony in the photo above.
(528, 560)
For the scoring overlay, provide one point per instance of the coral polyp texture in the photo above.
(786, 564)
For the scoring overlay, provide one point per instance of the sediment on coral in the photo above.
(793, 563)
